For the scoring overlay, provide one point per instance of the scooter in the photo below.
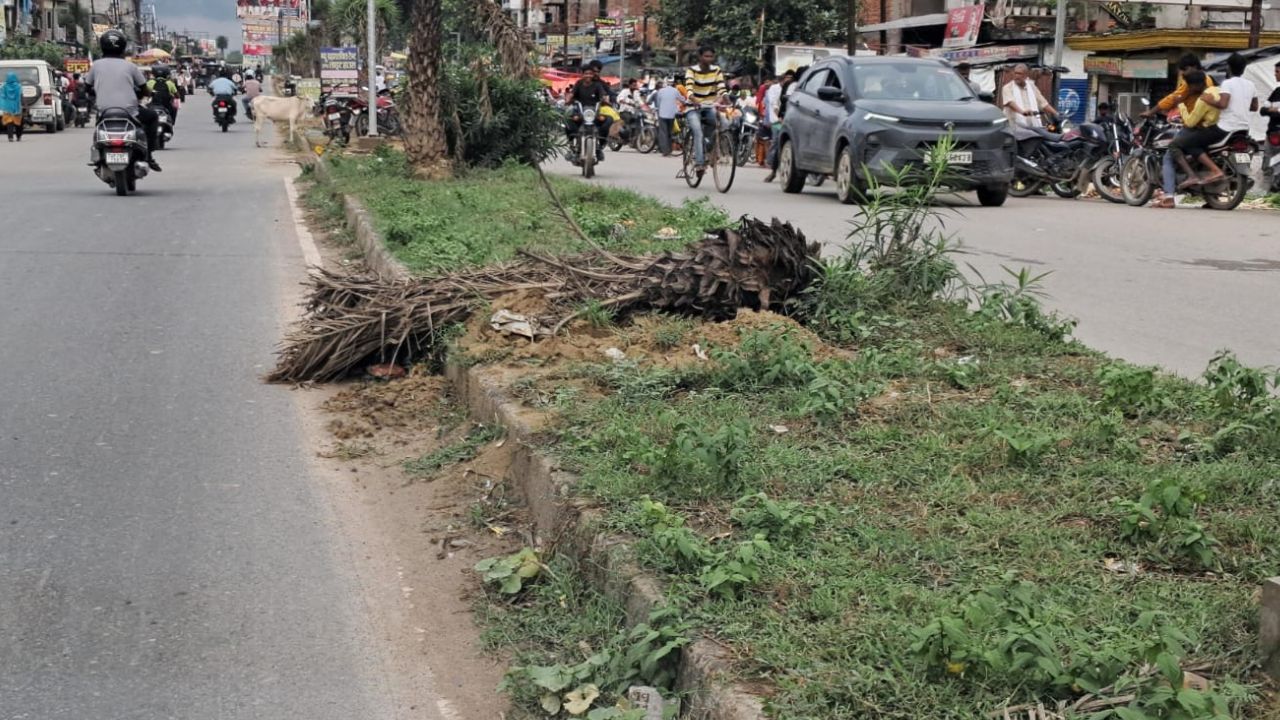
(82, 112)
(223, 109)
(165, 120)
(119, 151)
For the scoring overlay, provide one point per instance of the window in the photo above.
(816, 79)
(910, 81)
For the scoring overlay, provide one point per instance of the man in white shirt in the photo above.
(773, 113)
(1024, 105)
(1238, 98)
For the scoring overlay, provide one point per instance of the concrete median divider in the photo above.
(560, 519)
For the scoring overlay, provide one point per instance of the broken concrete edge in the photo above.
(604, 558)
(1269, 627)
(376, 255)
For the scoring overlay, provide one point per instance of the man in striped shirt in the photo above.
(705, 85)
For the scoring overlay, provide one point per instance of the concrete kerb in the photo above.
(605, 559)
(1269, 627)
(704, 666)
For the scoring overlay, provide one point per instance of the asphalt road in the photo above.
(163, 552)
(1161, 287)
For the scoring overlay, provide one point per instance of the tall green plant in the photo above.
(491, 118)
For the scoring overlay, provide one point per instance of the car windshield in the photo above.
(909, 81)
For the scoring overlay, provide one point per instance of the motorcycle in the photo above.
(165, 120)
(223, 108)
(745, 137)
(639, 130)
(583, 145)
(388, 118)
(336, 111)
(1064, 164)
(119, 150)
(82, 112)
(1141, 174)
(1106, 173)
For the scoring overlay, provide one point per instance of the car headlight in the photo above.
(879, 117)
(589, 116)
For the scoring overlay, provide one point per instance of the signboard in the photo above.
(963, 24)
(339, 63)
(611, 27)
(308, 88)
(76, 65)
(270, 8)
(790, 57)
(256, 49)
(1149, 68)
(989, 53)
(1073, 95)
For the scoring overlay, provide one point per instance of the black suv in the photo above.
(854, 117)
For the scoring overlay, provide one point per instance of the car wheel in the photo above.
(849, 189)
(791, 177)
(993, 195)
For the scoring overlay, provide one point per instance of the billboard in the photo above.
(339, 69)
(264, 9)
(963, 24)
(255, 49)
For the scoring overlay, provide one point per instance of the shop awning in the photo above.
(1169, 38)
(906, 22)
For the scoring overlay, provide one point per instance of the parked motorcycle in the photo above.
(1106, 173)
(119, 150)
(582, 150)
(337, 114)
(1141, 174)
(222, 112)
(641, 133)
(1064, 164)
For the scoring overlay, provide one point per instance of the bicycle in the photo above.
(721, 155)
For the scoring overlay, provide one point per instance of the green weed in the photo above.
(460, 451)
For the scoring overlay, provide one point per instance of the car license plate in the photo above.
(960, 158)
(117, 158)
(1242, 158)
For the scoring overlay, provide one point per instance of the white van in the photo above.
(41, 95)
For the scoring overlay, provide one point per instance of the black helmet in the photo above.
(113, 43)
(162, 70)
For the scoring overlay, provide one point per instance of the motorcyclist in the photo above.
(224, 88)
(252, 89)
(589, 91)
(118, 83)
(164, 91)
(630, 107)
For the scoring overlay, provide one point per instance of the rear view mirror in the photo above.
(831, 94)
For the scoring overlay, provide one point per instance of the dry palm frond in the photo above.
(515, 53)
(351, 321)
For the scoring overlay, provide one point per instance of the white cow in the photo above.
(278, 109)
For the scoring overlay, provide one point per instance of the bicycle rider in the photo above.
(706, 89)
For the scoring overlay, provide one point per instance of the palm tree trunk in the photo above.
(425, 141)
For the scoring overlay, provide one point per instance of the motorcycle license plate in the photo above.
(335, 116)
(960, 158)
(1242, 158)
(117, 158)
(222, 111)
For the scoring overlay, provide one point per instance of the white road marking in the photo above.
(310, 253)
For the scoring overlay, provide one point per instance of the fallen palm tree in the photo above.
(353, 320)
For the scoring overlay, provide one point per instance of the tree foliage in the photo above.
(24, 48)
(733, 26)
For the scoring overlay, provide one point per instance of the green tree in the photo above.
(734, 27)
(221, 43)
(24, 48)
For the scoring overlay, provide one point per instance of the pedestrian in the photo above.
(775, 99)
(765, 130)
(11, 107)
(667, 101)
(1271, 111)
(1238, 98)
(1025, 106)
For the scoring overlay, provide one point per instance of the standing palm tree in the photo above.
(425, 142)
(221, 43)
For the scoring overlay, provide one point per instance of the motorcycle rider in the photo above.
(224, 88)
(706, 86)
(1200, 130)
(1187, 63)
(252, 89)
(589, 91)
(630, 106)
(118, 83)
(164, 91)
(1024, 106)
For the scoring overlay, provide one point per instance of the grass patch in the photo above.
(485, 216)
(460, 451)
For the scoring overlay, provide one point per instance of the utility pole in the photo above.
(851, 28)
(1060, 34)
(1255, 24)
(372, 40)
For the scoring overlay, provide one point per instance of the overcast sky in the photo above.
(216, 17)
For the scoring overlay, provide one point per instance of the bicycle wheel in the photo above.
(691, 174)
(725, 164)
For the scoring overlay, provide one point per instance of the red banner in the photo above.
(963, 24)
(256, 49)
